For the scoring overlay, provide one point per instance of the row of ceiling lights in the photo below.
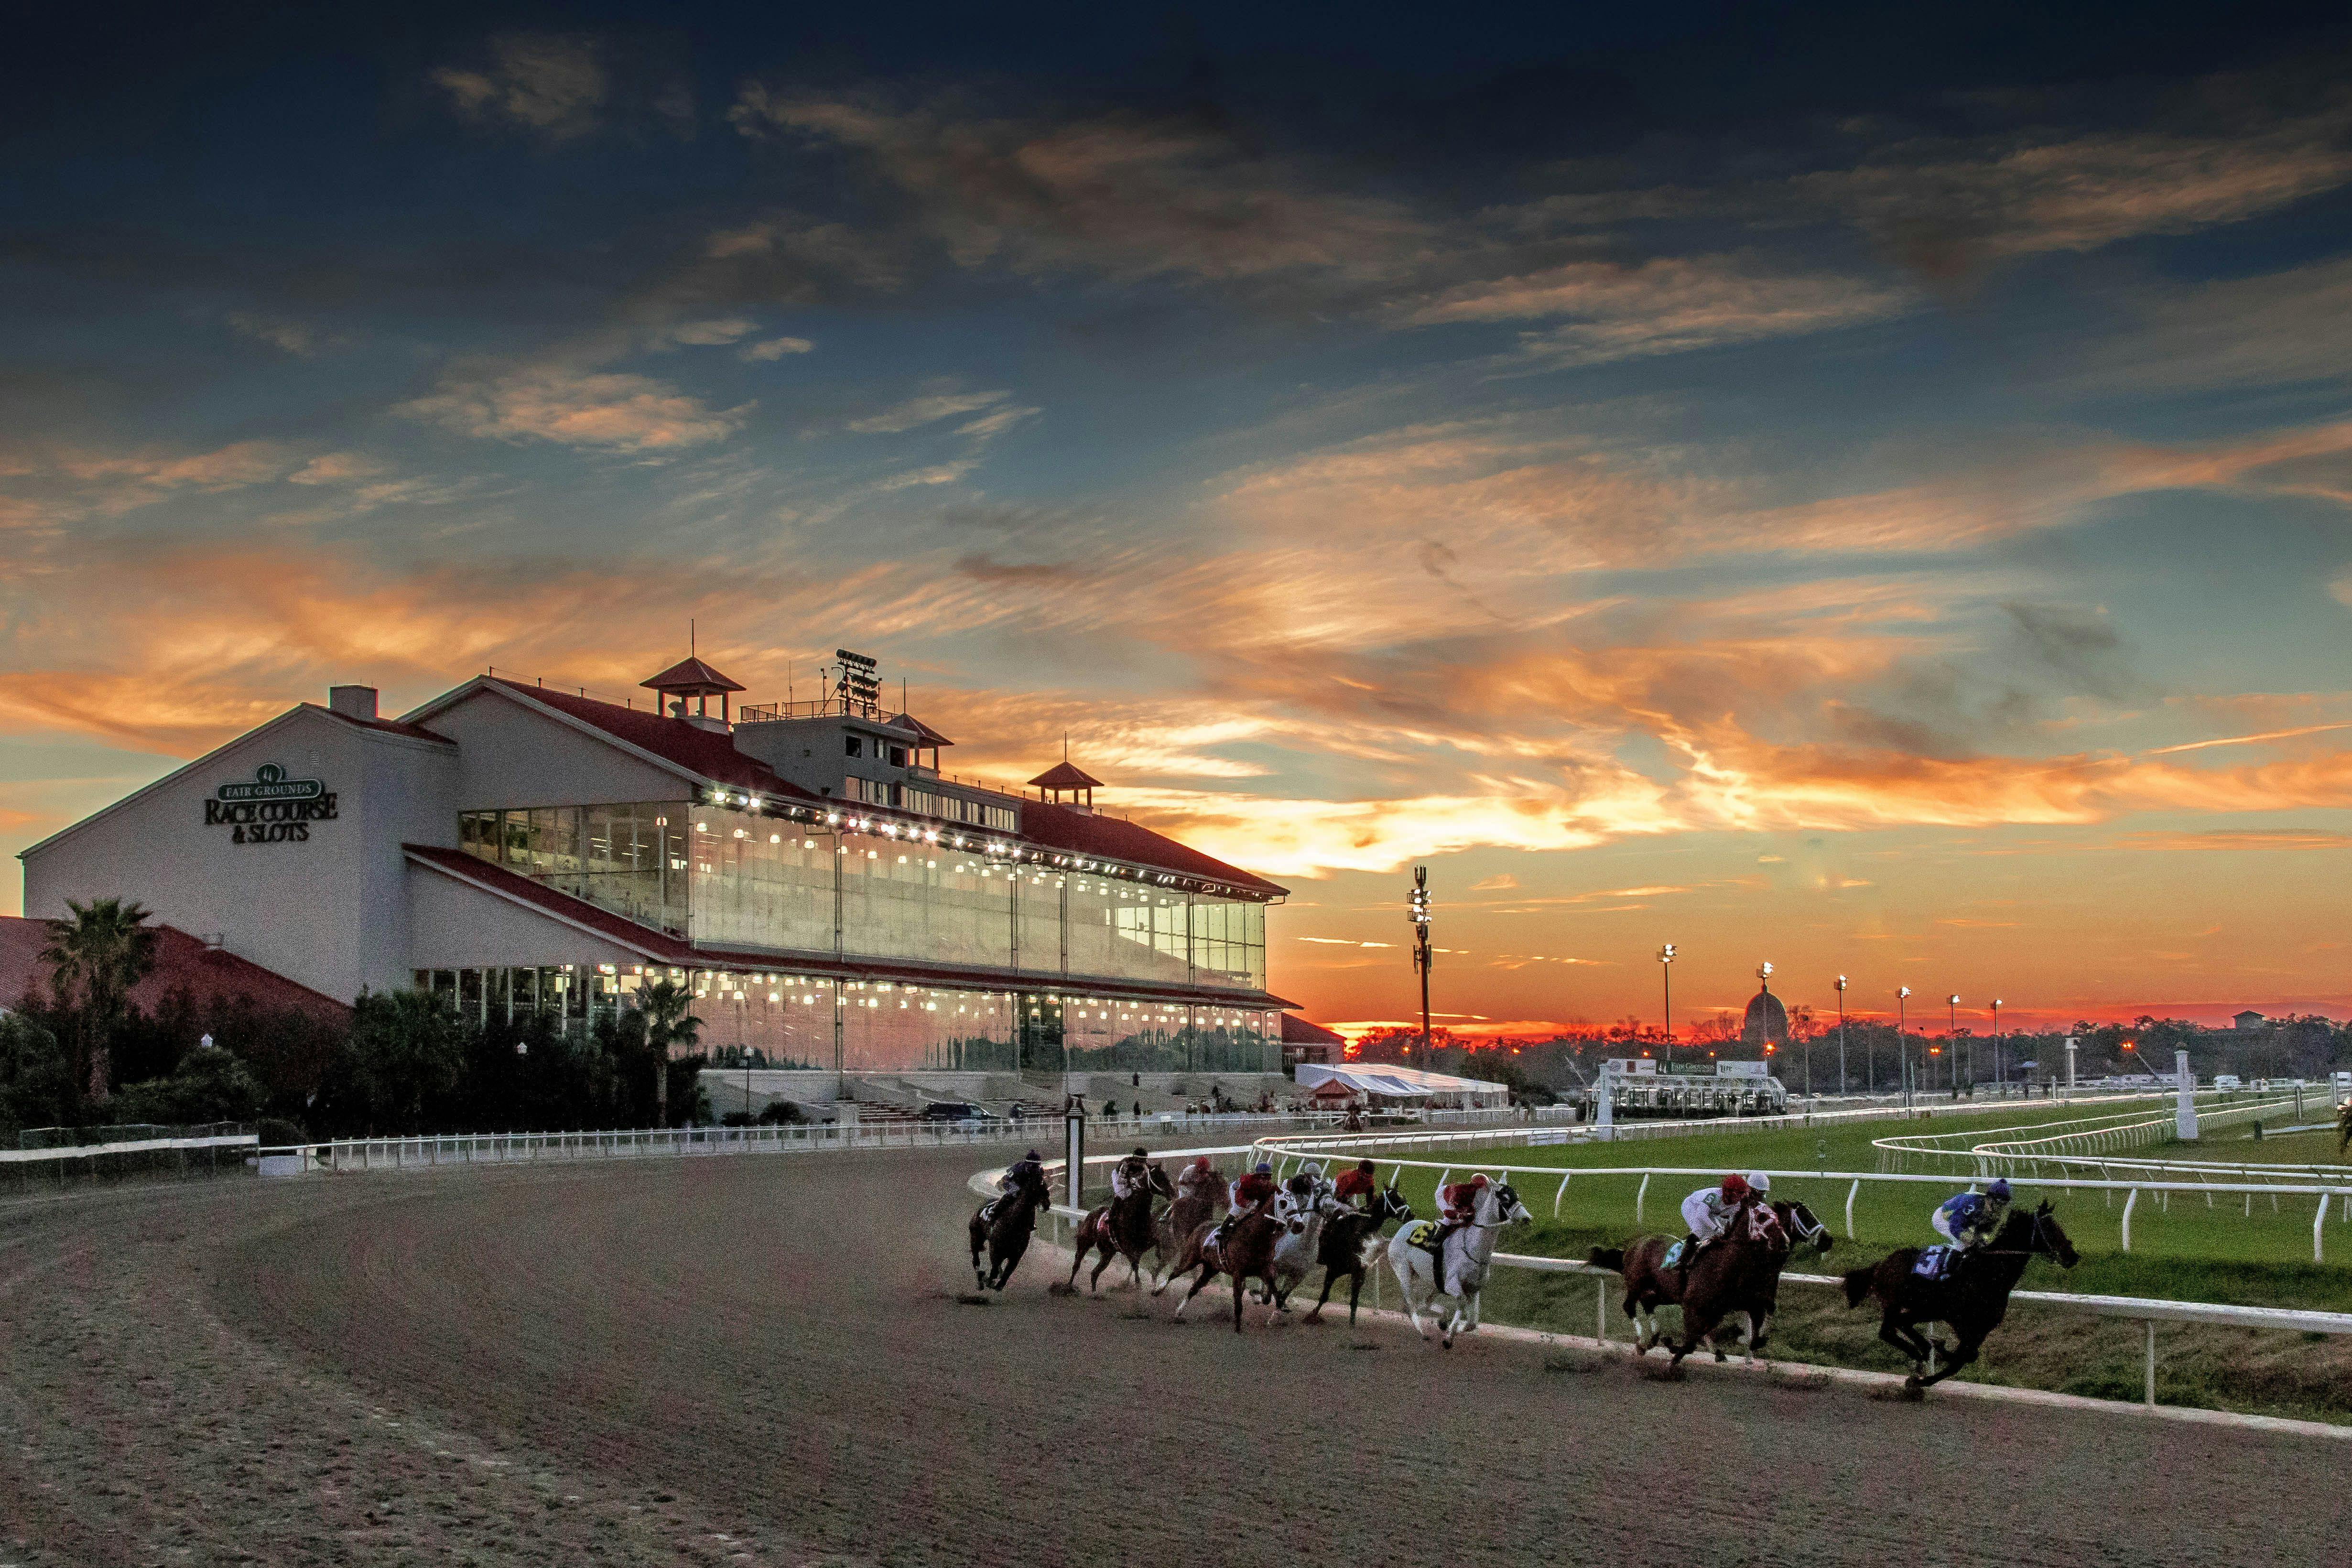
(745, 801)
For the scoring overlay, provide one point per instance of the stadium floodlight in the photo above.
(1667, 973)
(1841, 992)
(1417, 912)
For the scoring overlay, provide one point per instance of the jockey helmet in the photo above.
(1759, 1184)
(1365, 1166)
(1263, 1168)
(1735, 1186)
(1998, 1190)
(1142, 1153)
(1032, 1156)
(1201, 1163)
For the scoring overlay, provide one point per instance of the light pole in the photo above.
(1840, 990)
(1902, 1049)
(1999, 1075)
(1952, 1044)
(1667, 973)
(1417, 911)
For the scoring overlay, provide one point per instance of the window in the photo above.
(852, 745)
(898, 757)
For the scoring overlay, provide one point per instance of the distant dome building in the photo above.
(1766, 1022)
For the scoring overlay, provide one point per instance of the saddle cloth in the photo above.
(1673, 1258)
(1934, 1262)
(1423, 1235)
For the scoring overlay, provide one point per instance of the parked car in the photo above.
(2227, 1081)
(950, 1110)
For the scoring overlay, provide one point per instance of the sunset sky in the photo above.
(1791, 484)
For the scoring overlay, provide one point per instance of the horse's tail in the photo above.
(1857, 1285)
(1610, 1257)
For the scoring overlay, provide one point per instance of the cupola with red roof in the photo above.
(1080, 784)
(691, 677)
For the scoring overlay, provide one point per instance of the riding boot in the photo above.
(1690, 1255)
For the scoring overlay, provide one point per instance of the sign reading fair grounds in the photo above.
(272, 808)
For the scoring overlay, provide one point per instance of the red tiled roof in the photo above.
(1297, 1030)
(708, 753)
(180, 961)
(1062, 776)
(691, 676)
(1112, 838)
(663, 948)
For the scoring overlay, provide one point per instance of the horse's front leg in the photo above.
(1962, 1353)
(1906, 1341)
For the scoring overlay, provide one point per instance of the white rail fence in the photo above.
(1987, 1154)
(21, 1170)
(2337, 1192)
(2148, 1310)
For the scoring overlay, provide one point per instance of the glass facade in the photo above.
(730, 877)
(788, 1020)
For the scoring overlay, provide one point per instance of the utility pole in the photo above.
(1952, 1044)
(1417, 911)
(2000, 1071)
(1902, 1046)
(1666, 973)
(1841, 992)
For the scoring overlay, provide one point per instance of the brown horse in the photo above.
(1972, 1296)
(1246, 1253)
(1737, 1273)
(1346, 1248)
(1005, 1232)
(1199, 1195)
(1121, 1228)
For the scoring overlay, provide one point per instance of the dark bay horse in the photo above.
(1006, 1233)
(1246, 1254)
(1199, 1195)
(1347, 1246)
(1972, 1296)
(1740, 1268)
(1804, 1229)
(1121, 1228)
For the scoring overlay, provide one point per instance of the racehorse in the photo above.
(1803, 1229)
(1972, 1296)
(1739, 1273)
(1199, 1195)
(1351, 1247)
(1246, 1253)
(1006, 1233)
(1121, 1228)
(1301, 1209)
(1469, 1256)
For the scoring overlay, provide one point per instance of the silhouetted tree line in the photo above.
(82, 1056)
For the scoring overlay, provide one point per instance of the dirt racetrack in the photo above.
(760, 1360)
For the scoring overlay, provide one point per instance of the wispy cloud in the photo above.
(599, 410)
(929, 408)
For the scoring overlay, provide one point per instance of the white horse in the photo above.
(1301, 1215)
(1469, 1254)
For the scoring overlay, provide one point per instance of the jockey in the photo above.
(1969, 1219)
(1708, 1213)
(1028, 1168)
(1457, 1206)
(1244, 1193)
(1131, 1175)
(1357, 1187)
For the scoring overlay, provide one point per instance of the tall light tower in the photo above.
(1999, 1075)
(1902, 1047)
(1417, 911)
(1952, 1042)
(1840, 990)
(1667, 973)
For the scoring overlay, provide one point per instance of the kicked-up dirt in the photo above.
(763, 1360)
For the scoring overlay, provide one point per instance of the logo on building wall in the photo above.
(270, 810)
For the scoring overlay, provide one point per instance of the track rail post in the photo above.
(1561, 1194)
(1851, 1194)
(2130, 1200)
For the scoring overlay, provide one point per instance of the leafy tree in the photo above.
(37, 1077)
(667, 1026)
(406, 1052)
(94, 959)
(210, 1086)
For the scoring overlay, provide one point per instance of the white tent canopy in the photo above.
(1386, 1082)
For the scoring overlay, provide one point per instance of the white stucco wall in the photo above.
(328, 910)
(512, 756)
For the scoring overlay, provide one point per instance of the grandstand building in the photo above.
(835, 901)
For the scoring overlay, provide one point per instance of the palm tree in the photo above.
(667, 1024)
(104, 950)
